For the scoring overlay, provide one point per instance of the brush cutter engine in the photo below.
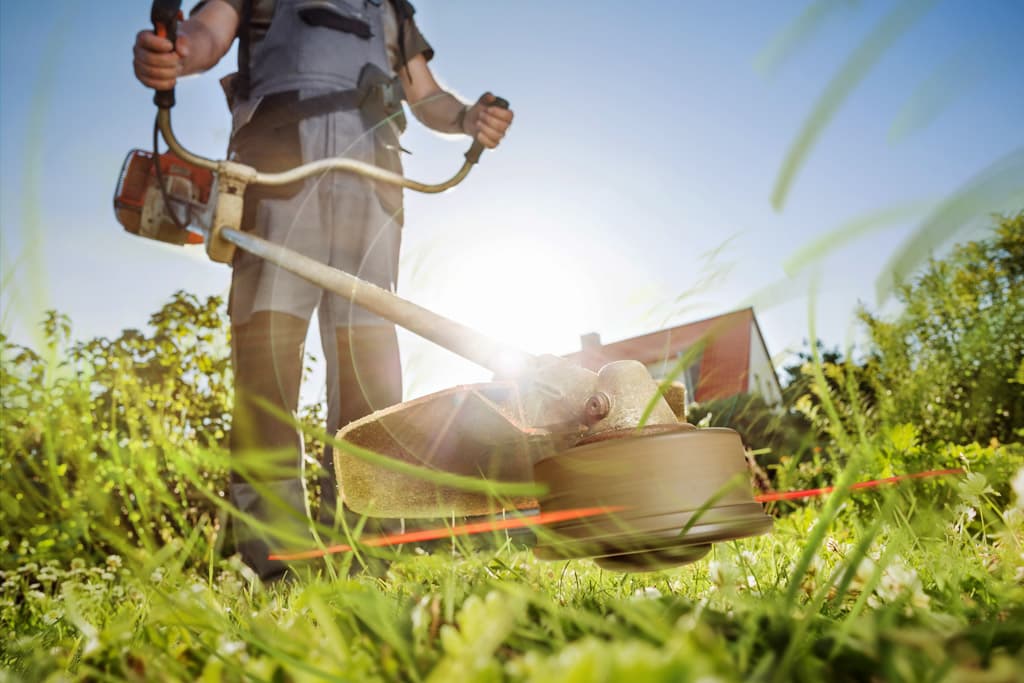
(146, 209)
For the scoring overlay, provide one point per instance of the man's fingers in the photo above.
(495, 123)
(145, 62)
(161, 79)
(156, 83)
(151, 41)
(491, 131)
(153, 72)
(488, 142)
(488, 136)
(499, 113)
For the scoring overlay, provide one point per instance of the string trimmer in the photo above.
(612, 441)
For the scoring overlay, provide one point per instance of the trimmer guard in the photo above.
(474, 430)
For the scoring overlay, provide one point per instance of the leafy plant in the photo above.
(951, 362)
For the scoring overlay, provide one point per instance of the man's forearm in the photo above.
(441, 111)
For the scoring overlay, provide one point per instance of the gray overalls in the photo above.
(340, 219)
(337, 218)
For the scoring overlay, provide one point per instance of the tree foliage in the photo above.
(952, 362)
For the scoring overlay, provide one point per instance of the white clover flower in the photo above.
(114, 562)
(38, 596)
(227, 647)
(419, 613)
(157, 576)
(649, 592)
(965, 514)
(865, 569)
(47, 574)
(717, 573)
(920, 599)
(899, 580)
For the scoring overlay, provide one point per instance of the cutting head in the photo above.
(670, 494)
(670, 489)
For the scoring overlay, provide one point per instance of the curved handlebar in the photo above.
(163, 120)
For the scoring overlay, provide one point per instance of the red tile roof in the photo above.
(724, 363)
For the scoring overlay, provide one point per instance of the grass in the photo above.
(113, 566)
(924, 581)
(116, 564)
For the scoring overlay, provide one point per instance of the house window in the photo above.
(690, 376)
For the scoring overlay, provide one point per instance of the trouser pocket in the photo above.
(268, 150)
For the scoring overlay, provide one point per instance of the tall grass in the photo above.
(113, 569)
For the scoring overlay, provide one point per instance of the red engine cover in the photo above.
(138, 175)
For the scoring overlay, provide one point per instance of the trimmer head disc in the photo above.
(669, 494)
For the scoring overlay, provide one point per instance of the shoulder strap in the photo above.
(242, 81)
(403, 13)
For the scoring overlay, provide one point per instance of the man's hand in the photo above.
(202, 40)
(445, 113)
(485, 123)
(158, 63)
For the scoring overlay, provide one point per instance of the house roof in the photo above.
(724, 370)
(660, 345)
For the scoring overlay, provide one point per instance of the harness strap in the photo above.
(242, 81)
(377, 95)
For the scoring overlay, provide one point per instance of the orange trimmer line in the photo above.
(565, 515)
(808, 493)
(458, 530)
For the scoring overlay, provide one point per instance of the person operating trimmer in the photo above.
(315, 79)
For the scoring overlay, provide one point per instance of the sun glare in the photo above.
(520, 293)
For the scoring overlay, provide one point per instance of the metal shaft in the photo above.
(456, 337)
(310, 169)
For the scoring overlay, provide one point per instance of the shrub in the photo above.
(952, 362)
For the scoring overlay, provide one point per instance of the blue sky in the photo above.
(640, 167)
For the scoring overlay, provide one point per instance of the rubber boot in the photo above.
(282, 506)
(266, 450)
(364, 373)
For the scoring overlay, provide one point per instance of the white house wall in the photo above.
(761, 378)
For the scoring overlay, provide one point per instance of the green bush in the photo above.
(116, 445)
(952, 361)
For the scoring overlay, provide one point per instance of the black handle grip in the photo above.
(164, 15)
(473, 155)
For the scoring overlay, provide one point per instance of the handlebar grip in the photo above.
(165, 14)
(473, 155)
